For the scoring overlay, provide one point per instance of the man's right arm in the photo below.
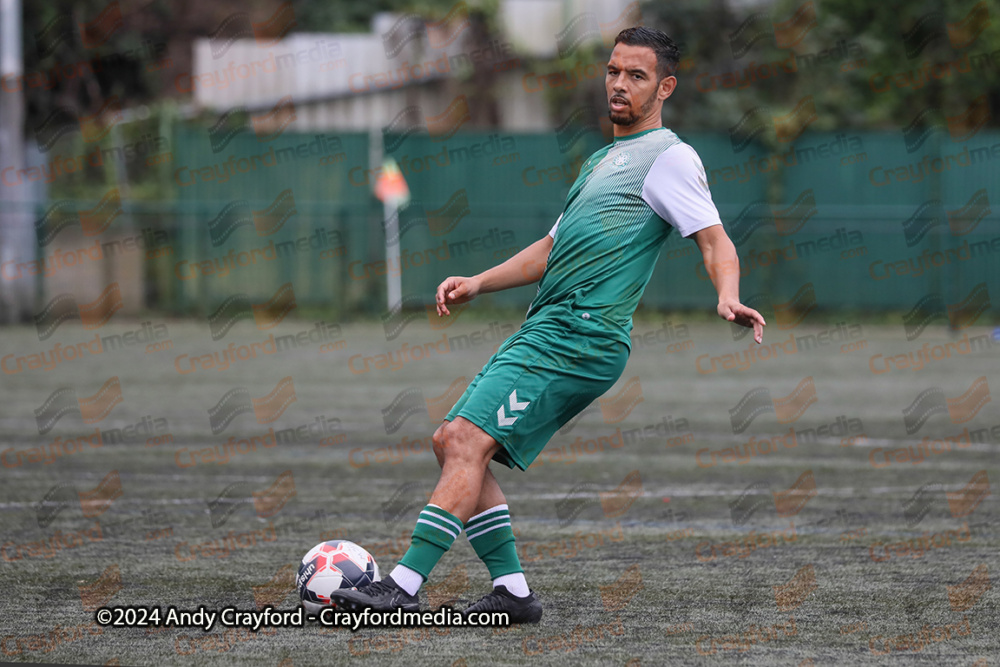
(524, 268)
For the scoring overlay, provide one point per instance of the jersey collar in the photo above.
(636, 136)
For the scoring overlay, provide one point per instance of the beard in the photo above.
(630, 116)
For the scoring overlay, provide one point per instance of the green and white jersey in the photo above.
(628, 197)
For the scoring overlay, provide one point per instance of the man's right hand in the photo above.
(455, 289)
(524, 268)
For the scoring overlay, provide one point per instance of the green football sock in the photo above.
(434, 534)
(492, 537)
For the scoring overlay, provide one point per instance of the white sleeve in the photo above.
(677, 189)
(552, 232)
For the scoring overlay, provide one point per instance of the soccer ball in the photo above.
(332, 565)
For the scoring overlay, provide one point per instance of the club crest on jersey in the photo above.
(622, 159)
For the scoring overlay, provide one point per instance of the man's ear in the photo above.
(666, 87)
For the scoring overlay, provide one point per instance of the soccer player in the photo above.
(594, 265)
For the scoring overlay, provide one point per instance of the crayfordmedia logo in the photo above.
(277, 589)
(439, 127)
(929, 354)
(787, 409)
(791, 595)
(916, 454)
(846, 430)
(91, 315)
(964, 501)
(531, 551)
(880, 552)
(677, 337)
(585, 28)
(265, 221)
(266, 315)
(568, 454)
(266, 127)
(960, 128)
(222, 453)
(439, 34)
(965, 595)
(450, 589)
(960, 315)
(326, 334)
(747, 639)
(849, 336)
(918, 641)
(932, 27)
(393, 642)
(411, 401)
(580, 636)
(92, 503)
(266, 502)
(49, 547)
(153, 242)
(618, 594)
(219, 642)
(237, 401)
(614, 503)
(61, 29)
(960, 409)
(743, 547)
(46, 642)
(789, 503)
(403, 501)
(99, 593)
(91, 409)
(784, 33)
(265, 33)
(92, 222)
(222, 547)
(615, 409)
(393, 360)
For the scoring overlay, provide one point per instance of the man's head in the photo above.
(640, 76)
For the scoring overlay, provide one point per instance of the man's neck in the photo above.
(651, 123)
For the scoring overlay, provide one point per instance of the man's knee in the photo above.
(438, 441)
(446, 440)
(462, 441)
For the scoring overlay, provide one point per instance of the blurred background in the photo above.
(851, 148)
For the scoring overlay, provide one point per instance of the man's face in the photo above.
(633, 91)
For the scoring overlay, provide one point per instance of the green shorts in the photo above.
(539, 379)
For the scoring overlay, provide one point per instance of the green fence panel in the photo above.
(255, 215)
(844, 220)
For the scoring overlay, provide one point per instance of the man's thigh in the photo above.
(534, 385)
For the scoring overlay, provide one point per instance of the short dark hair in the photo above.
(668, 54)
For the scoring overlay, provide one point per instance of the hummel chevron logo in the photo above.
(502, 418)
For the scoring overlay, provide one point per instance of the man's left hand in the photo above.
(734, 311)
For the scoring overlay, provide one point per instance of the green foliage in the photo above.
(851, 62)
(342, 15)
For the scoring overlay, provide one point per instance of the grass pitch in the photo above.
(648, 539)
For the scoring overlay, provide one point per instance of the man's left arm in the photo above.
(676, 188)
(723, 266)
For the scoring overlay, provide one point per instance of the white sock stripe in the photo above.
(438, 521)
(472, 536)
(471, 530)
(493, 516)
(489, 511)
(474, 527)
(439, 527)
(458, 526)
